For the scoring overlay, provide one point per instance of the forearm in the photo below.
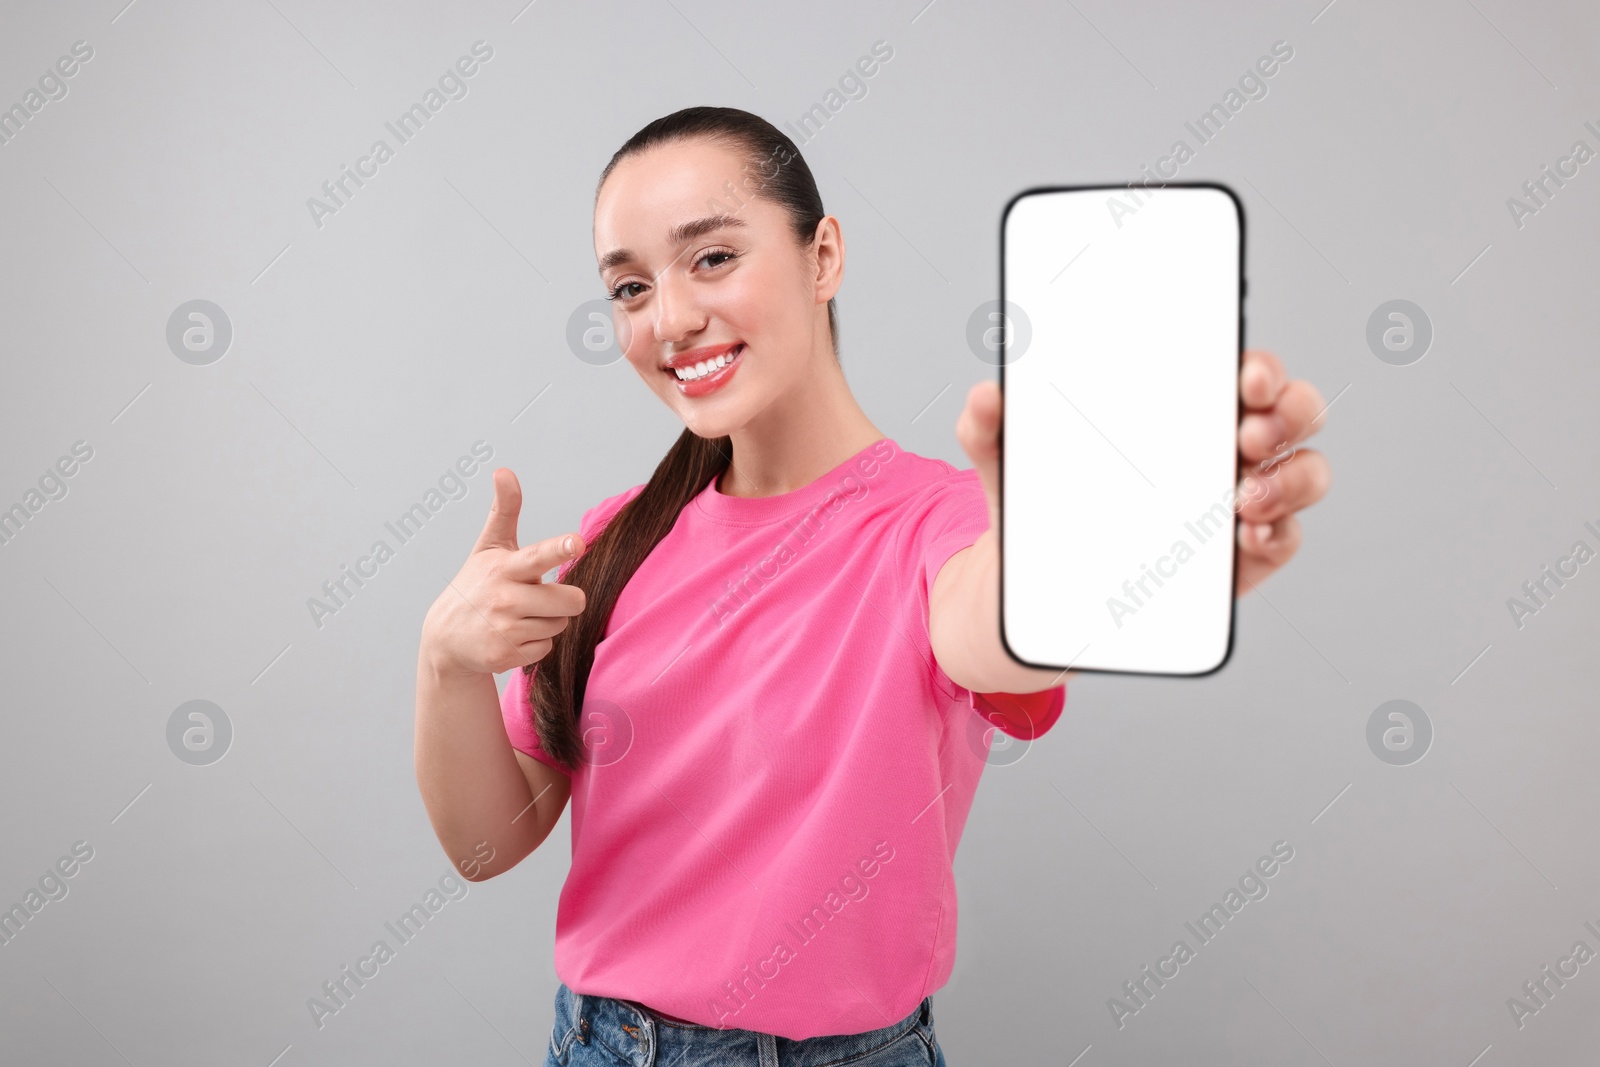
(964, 622)
(471, 784)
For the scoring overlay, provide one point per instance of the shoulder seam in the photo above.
(608, 509)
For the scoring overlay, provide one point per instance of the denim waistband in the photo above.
(636, 1035)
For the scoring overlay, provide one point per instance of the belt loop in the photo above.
(652, 1039)
(766, 1050)
(644, 1033)
(579, 1023)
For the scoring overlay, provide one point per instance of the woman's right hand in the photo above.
(496, 614)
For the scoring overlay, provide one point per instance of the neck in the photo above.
(816, 427)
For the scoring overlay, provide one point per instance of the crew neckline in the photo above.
(762, 509)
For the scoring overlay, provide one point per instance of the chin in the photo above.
(713, 424)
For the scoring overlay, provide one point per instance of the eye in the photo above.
(724, 253)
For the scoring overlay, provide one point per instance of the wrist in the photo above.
(435, 662)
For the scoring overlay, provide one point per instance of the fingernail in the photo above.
(566, 544)
(1263, 532)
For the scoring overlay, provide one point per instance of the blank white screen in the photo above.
(1120, 430)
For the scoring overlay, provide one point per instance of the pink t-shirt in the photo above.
(778, 771)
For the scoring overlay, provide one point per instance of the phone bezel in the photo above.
(1233, 603)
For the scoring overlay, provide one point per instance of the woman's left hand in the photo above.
(1278, 415)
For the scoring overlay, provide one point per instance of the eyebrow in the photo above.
(684, 231)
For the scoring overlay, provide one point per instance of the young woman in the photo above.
(766, 677)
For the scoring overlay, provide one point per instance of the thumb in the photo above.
(500, 531)
(978, 430)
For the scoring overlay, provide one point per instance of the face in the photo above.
(704, 273)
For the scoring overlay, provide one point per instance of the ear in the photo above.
(827, 252)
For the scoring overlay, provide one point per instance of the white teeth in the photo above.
(703, 368)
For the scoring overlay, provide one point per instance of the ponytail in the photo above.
(558, 684)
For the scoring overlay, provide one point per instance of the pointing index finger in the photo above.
(532, 562)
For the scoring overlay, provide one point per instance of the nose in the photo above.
(677, 315)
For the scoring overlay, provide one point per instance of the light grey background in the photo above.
(370, 353)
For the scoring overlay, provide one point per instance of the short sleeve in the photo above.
(515, 710)
(1022, 715)
(517, 714)
(952, 519)
(952, 516)
(956, 517)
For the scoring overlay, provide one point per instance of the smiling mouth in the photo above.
(706, 368)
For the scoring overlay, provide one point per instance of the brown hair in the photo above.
(557, 687)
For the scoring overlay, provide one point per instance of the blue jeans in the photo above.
(592, 1031)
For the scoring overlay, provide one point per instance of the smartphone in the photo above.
(1121, 339)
